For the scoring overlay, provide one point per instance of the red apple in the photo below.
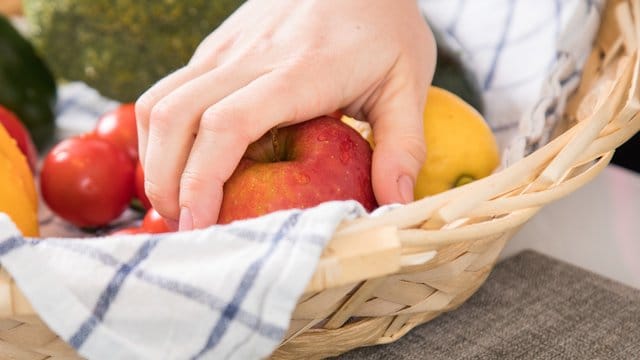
(300, 166)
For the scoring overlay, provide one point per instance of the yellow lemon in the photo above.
(18, 197)
(460, 145)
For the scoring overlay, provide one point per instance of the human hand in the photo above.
(374, 59)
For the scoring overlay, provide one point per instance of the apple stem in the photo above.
(276, 144)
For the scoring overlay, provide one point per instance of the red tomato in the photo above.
(139, 190)
(87, 181)
(154, 223)
(21, 135)
(128, 231)
(119, 127)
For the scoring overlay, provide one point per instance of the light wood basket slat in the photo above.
(380, 277)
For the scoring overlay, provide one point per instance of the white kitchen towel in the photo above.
(526, 55)
(226, 292)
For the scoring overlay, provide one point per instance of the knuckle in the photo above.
(215, 118)
(414, 144)
(225, 121)
(263, 45)
(411, 145)
(161, 111)
(193, 184)
(309, 60)
(143, 107)
(416, 147)
(162, 115)
(221, 116)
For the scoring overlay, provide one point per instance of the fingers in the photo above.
(225, 131)
(173, 124)
(195, 125)
(217, 150)
(151, 97)
(400, 149)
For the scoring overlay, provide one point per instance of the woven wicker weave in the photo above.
(380, 277)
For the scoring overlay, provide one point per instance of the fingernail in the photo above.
(405, 186)
(186, 220)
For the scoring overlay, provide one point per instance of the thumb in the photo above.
(400, 147)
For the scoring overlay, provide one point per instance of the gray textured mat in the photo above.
(531, 307)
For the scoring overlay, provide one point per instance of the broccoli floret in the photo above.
(121, 47)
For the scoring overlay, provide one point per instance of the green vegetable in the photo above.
(453, 75)
(121, 47)
(26, 86)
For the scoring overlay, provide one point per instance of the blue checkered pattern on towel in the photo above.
(224, 292)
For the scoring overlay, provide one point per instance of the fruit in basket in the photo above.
(460, 145)
(87, 181)
(16, 129)
(27, 87)
(121, 47)
(118, 126)
(153, 223)
(18, 198)
(300, 166)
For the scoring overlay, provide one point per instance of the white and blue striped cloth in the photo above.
(228, 291)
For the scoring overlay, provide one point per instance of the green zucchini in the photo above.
(27, 87)
(453, 75)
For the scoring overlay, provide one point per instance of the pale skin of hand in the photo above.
(279, 62)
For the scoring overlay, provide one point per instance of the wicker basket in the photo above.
(380, 277)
